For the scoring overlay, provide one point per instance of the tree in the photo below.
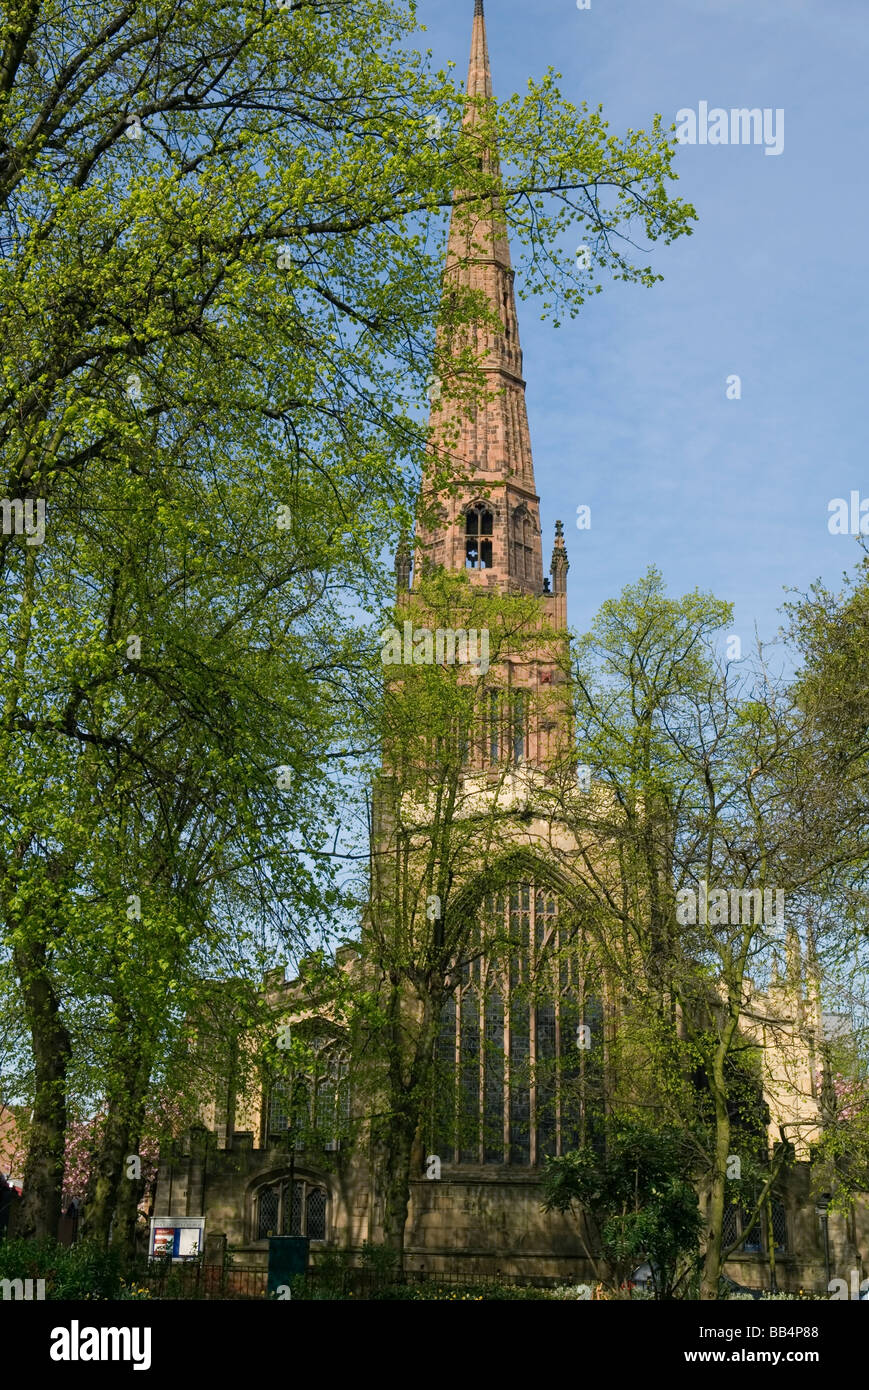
(828, 630)
(215, 216)
(704, 778)
(636, 1201)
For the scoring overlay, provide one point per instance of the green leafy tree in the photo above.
(701, 775)
(637, 1202)
(215, 219)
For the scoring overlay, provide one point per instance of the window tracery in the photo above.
(300, 1209)
(479, 525)
(513, 1084)
(312, 1108)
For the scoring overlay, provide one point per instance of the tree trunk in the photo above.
(114, 1193)
(108, 1176)
(41, 1205)
(397, 1169)
(770, 1246)
(712, 1258)
(128, 1195)
(407, 1086)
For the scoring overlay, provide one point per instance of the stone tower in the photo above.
(488, 522)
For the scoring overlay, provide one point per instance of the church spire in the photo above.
(479, 75)
(488, 522)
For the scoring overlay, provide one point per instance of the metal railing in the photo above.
(362, 1283)
(196, 1280)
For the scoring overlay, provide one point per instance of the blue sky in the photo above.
(627, 402)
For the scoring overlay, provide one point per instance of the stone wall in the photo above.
(472, 1220)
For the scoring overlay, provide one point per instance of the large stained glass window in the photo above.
(470, 1065)
(546, 1091)
(279, 1108)
(520, 1082)
(519, 1052)
(493, 1073)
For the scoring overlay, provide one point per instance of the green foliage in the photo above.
(216, 217)
(431, 1292)
(706, 772)
(80, 1271)
(842, 1152)
(639, 1196)
(829, 630)
(382, 1260)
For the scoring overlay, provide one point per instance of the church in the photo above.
(525, 1070)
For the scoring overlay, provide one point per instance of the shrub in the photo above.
(80, 1271)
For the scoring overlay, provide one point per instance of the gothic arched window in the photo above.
(737, 1218)
(289, 1108)
(315, 1213)
(519, 1052)
(469, 1132)
(313, 1107)
(300, 1212)
(478, 539)
(493, 1077)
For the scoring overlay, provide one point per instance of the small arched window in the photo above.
(315, 1214)
(302, 1211)
(730, 1225)
(753, 1243)
(478, 539)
